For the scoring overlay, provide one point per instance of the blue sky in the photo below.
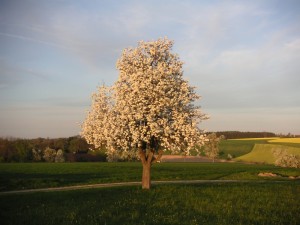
(243, 57)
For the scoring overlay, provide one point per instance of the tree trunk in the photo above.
(146, 178)
(147, 161)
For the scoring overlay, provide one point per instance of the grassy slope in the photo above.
(238, 147)
(263, 153)
(248, 203)
(16, 176)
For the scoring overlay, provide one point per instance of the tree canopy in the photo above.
(149, 109)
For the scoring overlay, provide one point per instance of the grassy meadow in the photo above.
(237, 147)
(19, 176)
(258, 150)
(255, 200)
(263, 153)
(229, 203)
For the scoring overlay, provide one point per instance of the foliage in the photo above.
(23, 150)
(78, 145)
(59, 156)
(211, 147)
(27, 150)
(240, 134)
(227, 204)
(149, 109)
(286, 160)
(49, 155)
(150, 106)
(37, 155)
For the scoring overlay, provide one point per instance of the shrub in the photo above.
(286, 160)
(49, 154)
(59, 156)
(37, 155)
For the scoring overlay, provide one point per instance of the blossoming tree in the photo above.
(149, 109)
(211, 148)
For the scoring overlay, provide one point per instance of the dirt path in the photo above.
(91, 186)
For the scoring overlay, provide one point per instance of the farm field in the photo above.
(263, 153)
(257, 200)
(241, 147)
(19, 176)
(229, 203)
(285, 140)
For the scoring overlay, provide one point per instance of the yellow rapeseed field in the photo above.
(285, 140)
(253, 139)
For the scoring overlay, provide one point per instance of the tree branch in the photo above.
(142, 155)
(156, 159)
(150, 157)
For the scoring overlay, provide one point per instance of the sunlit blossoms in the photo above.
(284, 159)
(149, 108)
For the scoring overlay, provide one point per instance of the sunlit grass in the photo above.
(238, 147)
(285, 140)
(253, 139)
(264, 153)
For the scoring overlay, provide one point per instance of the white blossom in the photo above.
(150, 103)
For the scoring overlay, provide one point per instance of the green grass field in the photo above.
(18, 176)
(238, 147)
(263, 153)
(233, 203)
(255, 201)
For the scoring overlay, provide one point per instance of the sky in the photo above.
(243, 57)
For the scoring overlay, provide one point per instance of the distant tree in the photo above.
(60, 143)
(211, 147)
(150, 108)
(37, 155)
(284, 159)
(24, 152)
(78, 145)
(49, 154)
(59, 156)
(8, 152)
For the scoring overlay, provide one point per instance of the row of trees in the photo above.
(48, 155)
(20, 150)
(241, 134)
(24, 150)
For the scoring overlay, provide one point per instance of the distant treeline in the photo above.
(72, 149)
(76, 149)
(240, 134)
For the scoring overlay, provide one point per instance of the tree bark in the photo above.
(146, 178)
(147, 161)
